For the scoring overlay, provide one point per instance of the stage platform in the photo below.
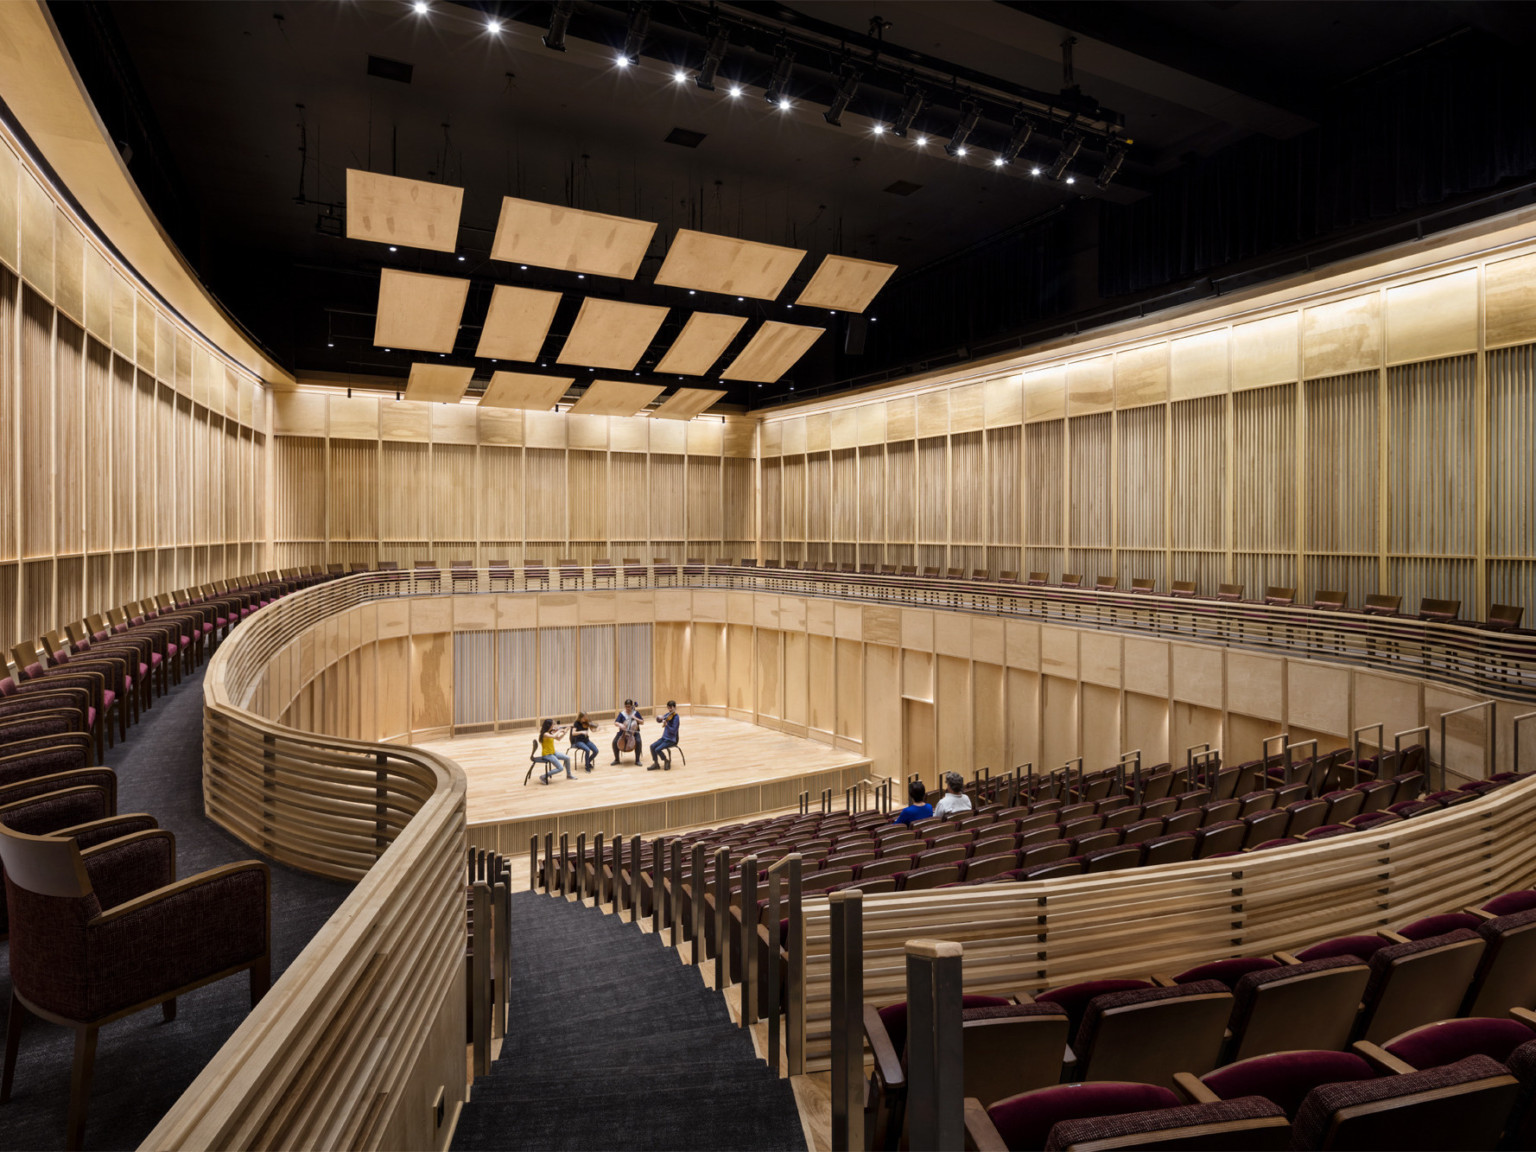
(734, 771)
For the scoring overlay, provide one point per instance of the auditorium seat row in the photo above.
(98, 924)
(1436, 993)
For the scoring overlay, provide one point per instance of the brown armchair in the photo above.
(102, 933)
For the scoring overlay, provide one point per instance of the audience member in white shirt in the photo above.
(955, 801)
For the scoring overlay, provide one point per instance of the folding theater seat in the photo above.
(1295, 1007)
(1264, 826)
(1148, 1034)
(1006, 1048)
(1250, 1124)
(1283, 1078)
(1228, 971)
(1176, 849)
(1111, 859)
(1416, 982)
(1446, 1042)
(1362, 947)
(1070, 866)
(1051, 852)
(1220, 838)
(1506, 974)
(990, 866)
(1023, 1123)
(1458, 1106)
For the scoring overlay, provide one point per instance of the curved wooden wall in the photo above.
(135, 451)
(1361, 428)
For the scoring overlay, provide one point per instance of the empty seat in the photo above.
(1228, 971)
(1506, 973)
(1182, 589)
(1378, 604)
(1105, 584)
(1226, 836)
(1071, 579)
(1148, 1034)
(1504, 617)
(1229, 592)
(1442, 611)
(1024, 1122)
(1328, 601)
(1416, 982)
(1141, 585)
(1458, 1106)
(1447, 1041)
(1175, 849)
(1279, 596)
(1283, 1078)
(1297, 1006)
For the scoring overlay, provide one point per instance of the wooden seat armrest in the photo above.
(1479, 913)
(1287, 958)
(1524, 1015)
(1188, 1085)
(980, 1133)
(1162, 980)
(173, 890)
(887, 1059)
(1379, 1058)
(1392, 937)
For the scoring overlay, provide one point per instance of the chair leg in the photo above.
(16, 1019)
(261, 978)
(80, 1086)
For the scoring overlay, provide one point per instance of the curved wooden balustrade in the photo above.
(360, 1035)
(1028, 936)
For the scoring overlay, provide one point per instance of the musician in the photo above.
(627, 739)
(581, 740)
(670, 723)
(548, 734)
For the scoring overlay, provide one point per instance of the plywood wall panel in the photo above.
(1267, 352)
(1429, 319)
(1342, 336)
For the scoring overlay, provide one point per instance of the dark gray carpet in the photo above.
(615, 1043)
(142, 1063)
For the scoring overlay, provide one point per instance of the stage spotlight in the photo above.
(783, 68)
(784, 105)
(845, 90)
(921, 141)
(878, 129)
(421, 7)
(909, 110)
(1022, 131)
(1035, 171)
(970, 113)
(719, 39)
(493, 26)
(559, 21)
(1071, 144)
(634, 38)
(998, 161)
(733, 92)
(1112, 162)
(679, 77)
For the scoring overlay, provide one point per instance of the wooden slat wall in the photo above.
(1315, 433)
(135, 455)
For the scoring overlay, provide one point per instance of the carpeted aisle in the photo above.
(142, 1063)
(615, 1043)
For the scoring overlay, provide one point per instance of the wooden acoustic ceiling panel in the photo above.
(517, 323)
(521, 390)
(549, 236)
(700, 343)
(710, 263)
(438, 383)
(845, 284)
(615, 398)
(686, 403)
(419, 312)
(772, 351)
(611, 334)
(393, 210)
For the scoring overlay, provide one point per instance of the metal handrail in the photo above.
(1492, 730)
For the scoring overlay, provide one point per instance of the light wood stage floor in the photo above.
(745, 768)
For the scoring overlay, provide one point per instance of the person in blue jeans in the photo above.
(581, 739)
(669, 727)
(548, 734)
(919, 809)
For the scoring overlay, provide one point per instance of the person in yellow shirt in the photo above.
(548, 734)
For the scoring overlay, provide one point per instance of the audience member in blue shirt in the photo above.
(917, 810)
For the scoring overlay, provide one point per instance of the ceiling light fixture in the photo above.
(1071, 179)
(1035, 171)
(845, 91)
(1071, 144)
(970, 113)
(921, 141)
(493, 26)
(998, 161)
(421, 7)
(909, 110)
(679, 77)
(878, 129)
(1112, 161)
(634, 37)
(734, 91)
(1023, 129)
(719, 39)
(783, 69)
(559, 21)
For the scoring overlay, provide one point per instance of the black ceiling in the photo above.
(240, 119)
